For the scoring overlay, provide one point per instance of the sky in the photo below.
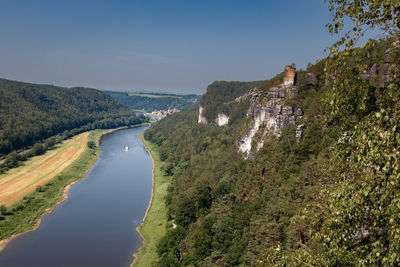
(158, 46)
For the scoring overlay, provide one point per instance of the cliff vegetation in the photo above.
(329, 197)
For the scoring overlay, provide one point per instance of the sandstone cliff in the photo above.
(202, 118)
(269, 111)
(269, 115)
(221, 120)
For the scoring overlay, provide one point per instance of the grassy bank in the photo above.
(154, 226)
(25, 214)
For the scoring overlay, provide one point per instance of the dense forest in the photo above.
(147, 102)
(224, 93)
(30, 113)
(330, 198)
(228, 209)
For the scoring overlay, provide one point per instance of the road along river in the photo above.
(96, 225)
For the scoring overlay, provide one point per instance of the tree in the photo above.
(38, 149)
(3, 209)
(350, 94)
(91, 144)
(360, 218)
(39, 189)
(355, 219)
(50, 142)
(11, 159)
(364, 15)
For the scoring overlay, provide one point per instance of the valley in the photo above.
(282, 150)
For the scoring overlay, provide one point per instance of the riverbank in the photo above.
(153, 227)
(26, 215)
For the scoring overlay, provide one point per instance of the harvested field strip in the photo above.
(40, 169)
(24, 215)
(48, 163)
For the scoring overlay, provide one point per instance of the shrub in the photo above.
(3, 209)
(91, 144)
(39, 189)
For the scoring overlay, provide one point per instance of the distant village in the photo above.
(165, 112)
(159, 114)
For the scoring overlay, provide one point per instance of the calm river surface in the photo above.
(96, 225)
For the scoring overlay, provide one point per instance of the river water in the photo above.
(96, 225)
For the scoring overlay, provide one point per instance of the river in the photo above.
(96, 225)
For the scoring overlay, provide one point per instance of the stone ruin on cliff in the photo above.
(289, 75)
(269, 112)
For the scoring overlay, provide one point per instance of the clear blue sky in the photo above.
(166, 46)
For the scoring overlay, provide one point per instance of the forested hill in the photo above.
(221, 92)
(148, 102)
(321, 191)
(32, 112)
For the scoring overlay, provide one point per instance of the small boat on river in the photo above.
(126, 148)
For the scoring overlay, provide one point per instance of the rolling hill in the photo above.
(30, 113)
(147, 102)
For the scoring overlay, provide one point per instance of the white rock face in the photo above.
(202, 118)
(269, 114)
(299, 131)
(245, 144)
(288, 83)
(222, 119)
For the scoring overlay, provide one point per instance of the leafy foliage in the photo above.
(361, 223)
(355, 218)
(364, 15)
(91, 144)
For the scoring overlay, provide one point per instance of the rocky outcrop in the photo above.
(310, 79)
(222, 119)
(202, 118)
(269, 112)
(270, 115)
(299, 131)
(289, 75)
(383, 71)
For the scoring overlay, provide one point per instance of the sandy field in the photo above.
(39, 170)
